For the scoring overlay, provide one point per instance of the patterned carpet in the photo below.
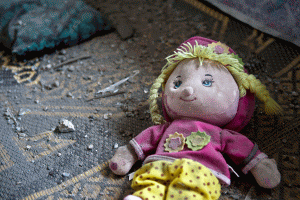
(37, 162)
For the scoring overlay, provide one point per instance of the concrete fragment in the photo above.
(65, 126)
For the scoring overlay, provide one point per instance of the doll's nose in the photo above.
(188, 91)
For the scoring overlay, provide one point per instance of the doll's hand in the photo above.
(123, 160)
(266, 173)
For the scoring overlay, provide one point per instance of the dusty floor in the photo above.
(38, 162)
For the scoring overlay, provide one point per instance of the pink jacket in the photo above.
(149, 146)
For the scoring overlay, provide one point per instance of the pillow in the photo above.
(28, 26)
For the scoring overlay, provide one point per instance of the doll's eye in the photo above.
(207, 83)
(177, 84)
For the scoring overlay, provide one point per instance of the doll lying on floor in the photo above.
(207, 98)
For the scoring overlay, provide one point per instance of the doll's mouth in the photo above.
(188, 100)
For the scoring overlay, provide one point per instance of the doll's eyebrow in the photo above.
(208, 75)
(178, 77)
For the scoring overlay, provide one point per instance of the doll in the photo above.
(207, 97)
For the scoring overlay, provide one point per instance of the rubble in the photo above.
(23, 111)
(71, 61)
(90, 147)
(107, 115)
(65, 126)
(116, 145)
(112, 87)
(69, 94)
(65, 174)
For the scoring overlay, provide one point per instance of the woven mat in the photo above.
(37, 162)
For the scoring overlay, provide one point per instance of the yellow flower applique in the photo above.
(175, 143)
(197, 140)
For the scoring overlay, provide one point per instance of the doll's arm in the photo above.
(266, 173)
(243, 152)
(123, 160)
(139, 147)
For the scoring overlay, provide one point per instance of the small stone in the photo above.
(116, 145)
(71, 68)
(146, 90)
(69, 94)
(235, 196)
(66, 174)
(295, 94)
(23, 111)
(28, 147)
(90, 147)
(45, 109)
(55, 84)
(284, 140)
(58, 154)
(36, 101)
(23, 135)
(48, 87)
(65, 126)
(49, 66)
(107, 116)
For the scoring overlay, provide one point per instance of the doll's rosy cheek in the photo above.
(113, 166)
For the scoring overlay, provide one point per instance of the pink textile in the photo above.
(149, 146)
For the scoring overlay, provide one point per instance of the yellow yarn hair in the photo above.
(230, 61)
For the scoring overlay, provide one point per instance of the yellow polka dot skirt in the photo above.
(183, 179)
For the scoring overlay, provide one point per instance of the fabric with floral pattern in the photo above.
(197, 140)
(175, 142)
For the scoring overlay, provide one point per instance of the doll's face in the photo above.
(206, 93)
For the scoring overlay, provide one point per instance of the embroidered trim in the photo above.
(138, 150)
(253, 162)
(251, 155)
(153, 158)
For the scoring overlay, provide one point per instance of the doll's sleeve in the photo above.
(146, 142)
(241, 150)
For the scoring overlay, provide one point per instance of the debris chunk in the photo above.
(116, 145)
(65, 126)
(69, 94)
(90, 147)
(107, 115)
(65, 174)
(112, 87)
(23, 111)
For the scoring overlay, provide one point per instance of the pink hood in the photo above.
(246, 104)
